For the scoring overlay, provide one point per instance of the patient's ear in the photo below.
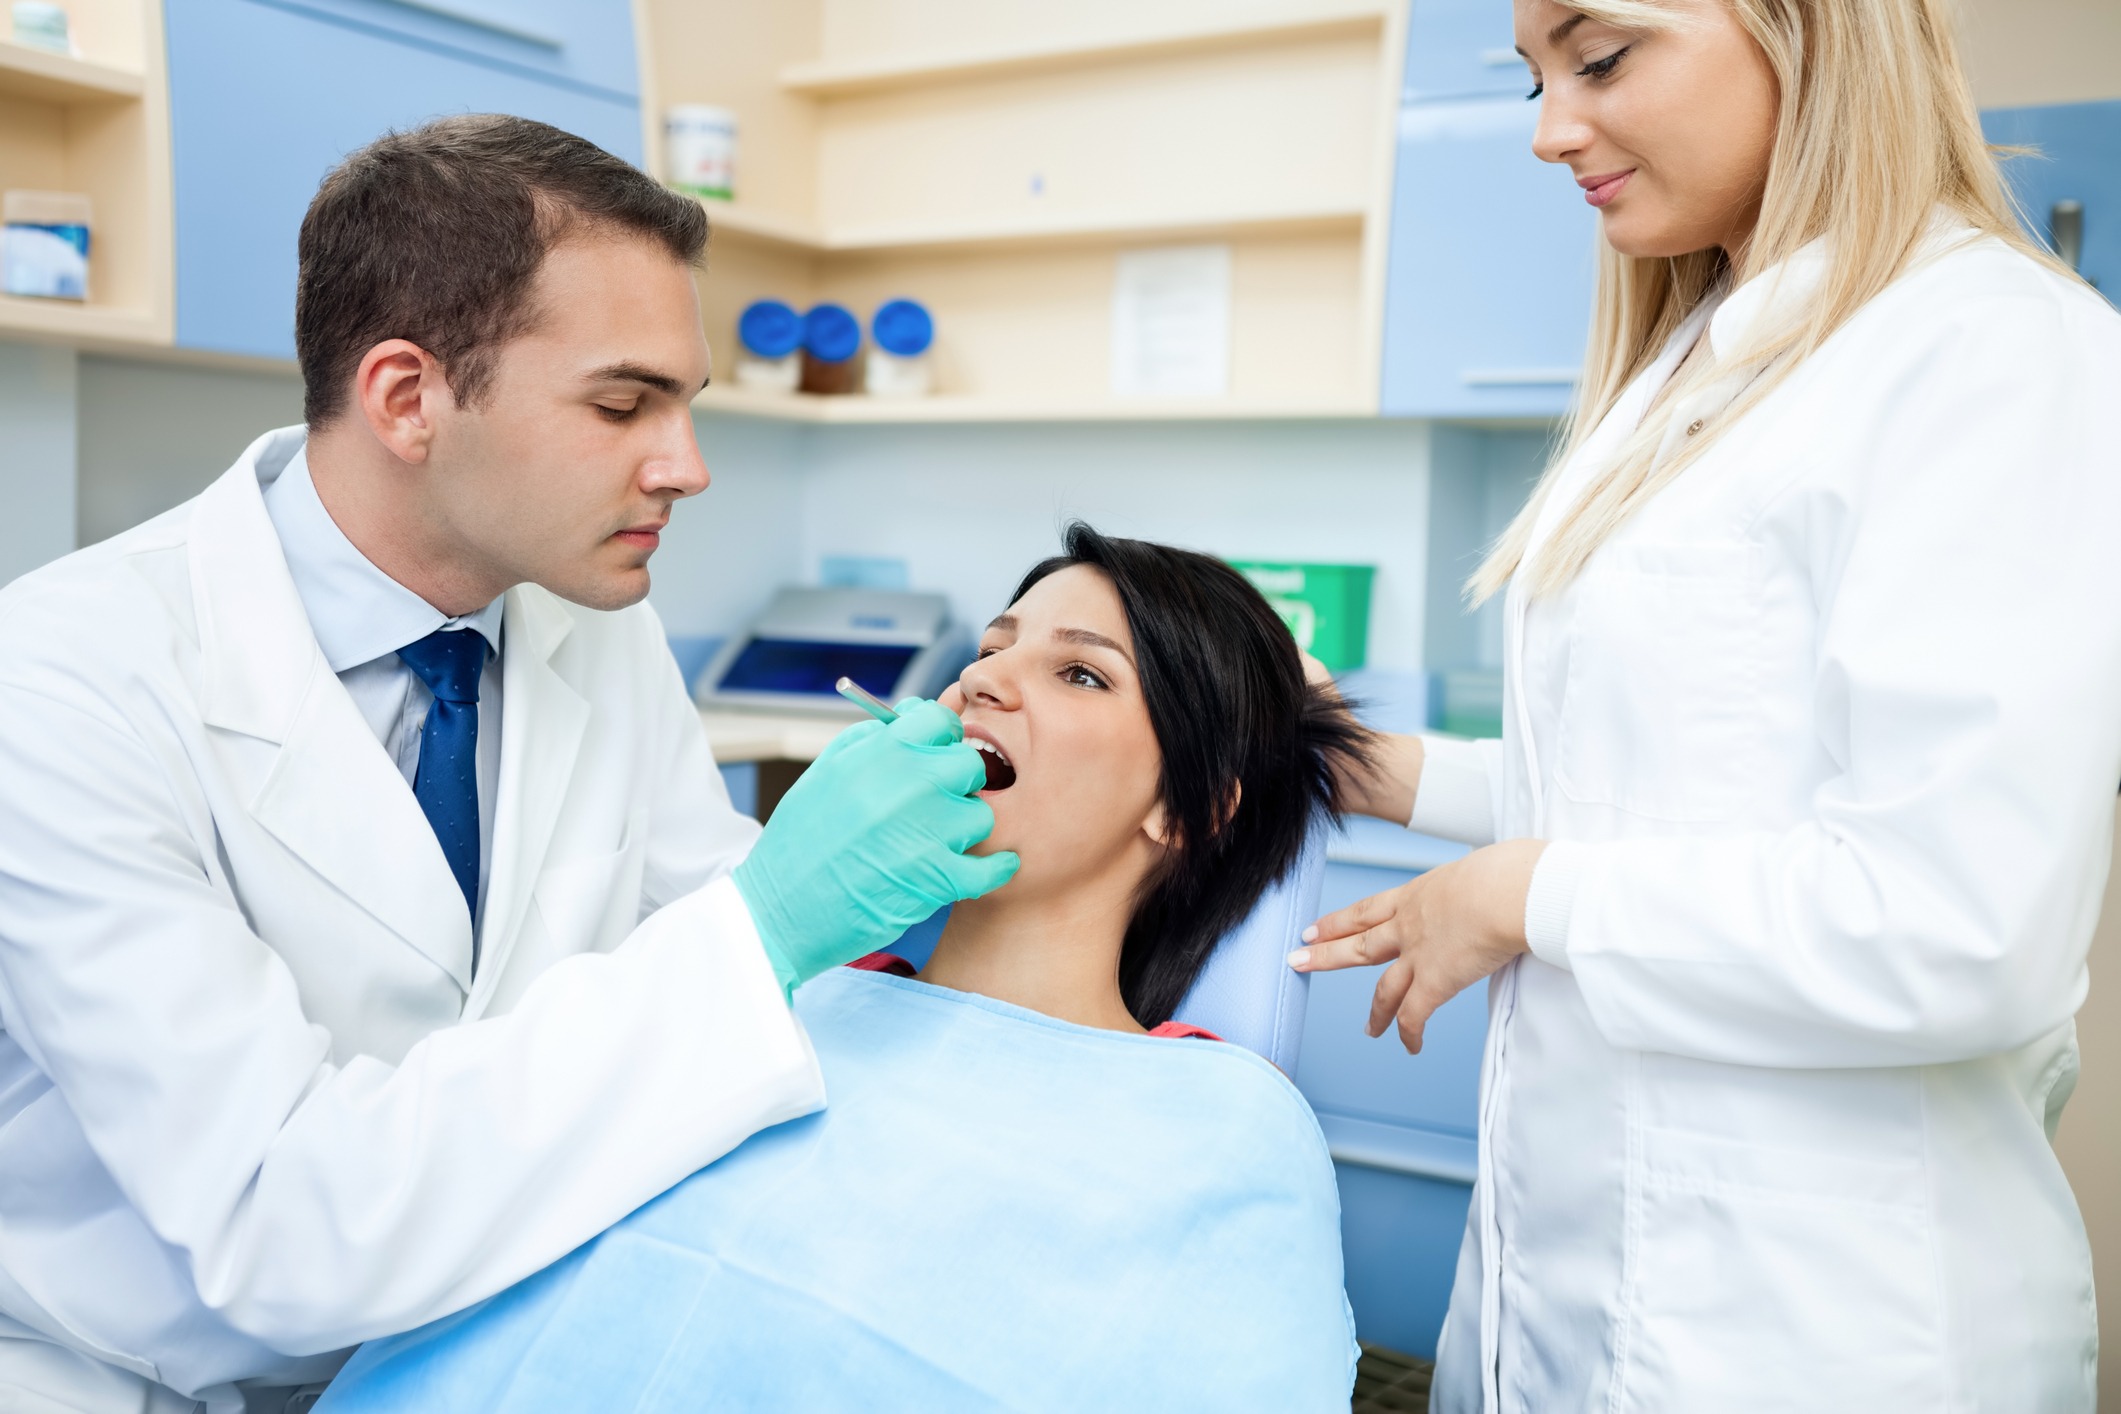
(1158, 826)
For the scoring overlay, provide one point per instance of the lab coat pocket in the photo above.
(1661, 713)
(590, 905)
(1768, 1278)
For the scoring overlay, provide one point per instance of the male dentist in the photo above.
(374, 927)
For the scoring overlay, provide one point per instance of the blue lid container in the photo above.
(770, 329)
(903, 327)
(831, 333)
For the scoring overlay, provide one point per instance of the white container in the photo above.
(901, 335)
(887, 375)
(699, 150)
(41, 25)
(44, 244)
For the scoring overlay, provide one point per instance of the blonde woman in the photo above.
(1812, 732)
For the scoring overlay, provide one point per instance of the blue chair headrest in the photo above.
(1247, 993)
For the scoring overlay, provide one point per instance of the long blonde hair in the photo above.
(1876, 131)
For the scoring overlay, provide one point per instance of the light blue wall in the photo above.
(971, 507)
(153, 434)
(38, 455)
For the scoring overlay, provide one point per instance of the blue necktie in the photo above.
(447, 781)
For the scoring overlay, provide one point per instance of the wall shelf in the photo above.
(1040, 229)
(949, 408)
(60, 78)
(85, 325)
(989, 160)
(97, 124)
(760, 228)
(840, 78)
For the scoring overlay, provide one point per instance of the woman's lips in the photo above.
(1599, 191)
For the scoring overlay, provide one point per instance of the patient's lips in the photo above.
(1000, 773)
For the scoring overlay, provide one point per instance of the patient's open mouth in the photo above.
(1000, 774)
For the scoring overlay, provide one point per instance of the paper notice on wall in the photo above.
(1171, 322)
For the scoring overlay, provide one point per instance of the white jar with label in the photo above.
(699, 150)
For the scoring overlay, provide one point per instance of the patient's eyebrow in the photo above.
(637, 373)
(1089, 639)
(1005, 622)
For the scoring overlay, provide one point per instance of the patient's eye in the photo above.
(612, 414)
(1076, 675)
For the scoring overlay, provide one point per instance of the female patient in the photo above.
(1030, 1190)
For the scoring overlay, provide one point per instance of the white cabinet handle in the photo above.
(1520, 377)
(479, 19)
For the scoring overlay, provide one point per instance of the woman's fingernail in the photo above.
(1310, 934)
(1300, 959)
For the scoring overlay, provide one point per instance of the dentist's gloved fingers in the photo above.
(853, 735)
(962, 821)
(956, 770)
(976, 876)
(924, 723)
(1363, 934)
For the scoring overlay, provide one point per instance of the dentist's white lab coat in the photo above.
(1826, 740)
(253, 1106)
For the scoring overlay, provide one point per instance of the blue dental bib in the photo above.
(996, 1211)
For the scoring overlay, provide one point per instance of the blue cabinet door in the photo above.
(1493, 256)
(585, 44)
(265, 99)
(2077, 158)
(1462, 48)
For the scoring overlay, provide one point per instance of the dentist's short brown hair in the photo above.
(436, 236)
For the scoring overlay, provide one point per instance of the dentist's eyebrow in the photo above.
(637, 373)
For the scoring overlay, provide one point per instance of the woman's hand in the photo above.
(1443, 932)
(1387, 793)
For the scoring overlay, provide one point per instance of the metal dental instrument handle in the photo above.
(2065, 227)
(853, 692)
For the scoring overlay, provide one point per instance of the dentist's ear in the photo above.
(400, 389)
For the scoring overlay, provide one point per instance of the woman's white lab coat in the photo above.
(1826, 740)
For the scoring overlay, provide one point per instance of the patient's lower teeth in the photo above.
(1000, 774)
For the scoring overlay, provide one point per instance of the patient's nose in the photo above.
(989, 682)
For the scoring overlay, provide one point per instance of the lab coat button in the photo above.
(1694, 426)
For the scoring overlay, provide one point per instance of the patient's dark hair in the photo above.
(1228, 702)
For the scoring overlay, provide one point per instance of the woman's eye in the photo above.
(1080, 676)
(988, 652)
(1603, 68)
(1537, 89)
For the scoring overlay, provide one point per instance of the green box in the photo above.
(1327, 607)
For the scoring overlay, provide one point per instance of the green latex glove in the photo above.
(870, 841)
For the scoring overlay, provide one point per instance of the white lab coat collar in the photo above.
(264, 675)
(1750, 312)
(357, 612)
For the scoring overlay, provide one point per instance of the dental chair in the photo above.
(1247, 994)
